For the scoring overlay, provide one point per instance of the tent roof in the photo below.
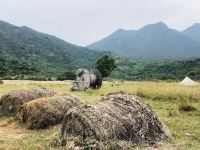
(187, 81)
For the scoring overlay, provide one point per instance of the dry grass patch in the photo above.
(161, 96)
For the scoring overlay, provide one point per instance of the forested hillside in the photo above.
(49, 54)
(166, 70)
(28, 54)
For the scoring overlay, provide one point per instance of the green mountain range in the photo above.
(28, 54)
(46, 53)
(153, 42)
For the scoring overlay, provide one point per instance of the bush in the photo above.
(38, 78)
(187, 107)
(1, 81)
(67, 76)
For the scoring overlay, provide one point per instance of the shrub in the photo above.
(1, 81)
(67, 76)
(187, 107)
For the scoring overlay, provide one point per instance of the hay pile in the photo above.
(44, 112)
(11, 102)
(117, 118)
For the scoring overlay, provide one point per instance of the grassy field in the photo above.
(165, 98)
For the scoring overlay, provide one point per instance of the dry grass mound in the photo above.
(11, 102)
(44, 112)
(117, 117)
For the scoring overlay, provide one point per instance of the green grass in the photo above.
(165, 98)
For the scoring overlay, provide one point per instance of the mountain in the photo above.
(152, 42)
(28, 54)
(193, 32)
(46, 52)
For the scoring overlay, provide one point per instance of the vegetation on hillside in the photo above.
(11, 68)
(28, 54)
(127, 69)
(166, 70)
(50, 55)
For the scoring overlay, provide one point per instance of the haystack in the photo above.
(44, 112)
(11, 102)
(117, 118)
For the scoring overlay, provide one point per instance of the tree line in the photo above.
(109, 66)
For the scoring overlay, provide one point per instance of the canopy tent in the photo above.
(187, 81)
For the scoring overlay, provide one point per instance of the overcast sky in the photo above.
(82, 22)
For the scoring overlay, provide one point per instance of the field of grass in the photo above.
(165, 98)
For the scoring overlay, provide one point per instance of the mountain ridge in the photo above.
(42, 50)
(193, 32)
(151, 42)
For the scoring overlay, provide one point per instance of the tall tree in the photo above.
(105, 65)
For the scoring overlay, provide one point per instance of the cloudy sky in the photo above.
(84, 21)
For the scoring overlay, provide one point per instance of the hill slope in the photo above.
(166, 70)
(45, 51)
(193, 32)
(152, 42)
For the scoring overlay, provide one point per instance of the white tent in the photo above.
(188, 81)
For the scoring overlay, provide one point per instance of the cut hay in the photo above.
(11, 102)
(44, 112)
(117, 118)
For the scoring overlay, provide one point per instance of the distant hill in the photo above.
(47, 53)
(193, 32)
(152, 42)
(166, 70)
